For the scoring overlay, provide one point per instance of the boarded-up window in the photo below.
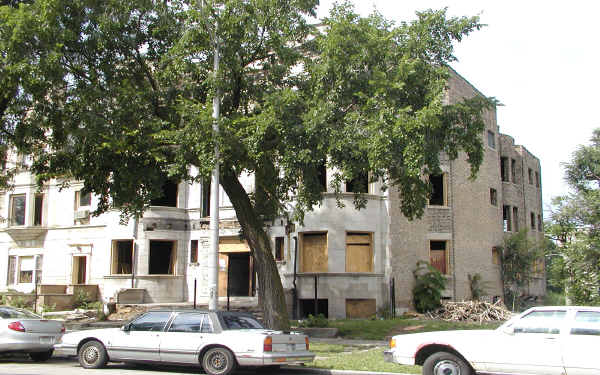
(314, 252)
(360, 308)
(162, 257)
(194, 251)
(278, 249)
(122, 251)
(12, 268)
(359, 252)
(437, 255)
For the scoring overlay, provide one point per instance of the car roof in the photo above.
(545, 308)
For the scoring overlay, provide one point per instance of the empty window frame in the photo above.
(532, 217)
(516, 218)
(491, 138)
(513, 170)
(168, 197)
(122, 251)
(26, 267)
(359, 252)
(279, 250)
(539, 222)
(322, 176)
(504, 169)
(438, 255)
(194, 251)
(537, 179)
(38, 209)
(314, 254)
(493, 197)
(82, 199)
(205, 197)
(438, 190)
(359, 184)
(162, 257)
(17, 209)
(506, 218)
(530, 175)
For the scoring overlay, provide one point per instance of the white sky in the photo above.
(541, 59)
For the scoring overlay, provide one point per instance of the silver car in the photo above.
(218, 341)
(25, 332)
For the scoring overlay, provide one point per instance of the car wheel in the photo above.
(443, 363)
(218, 361)
(92, 355)
(41, 356)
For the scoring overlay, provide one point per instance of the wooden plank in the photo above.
(233, 245)
(359, 258)
(360, 308)
(438, 260)
(358, 238)
(314, 252)
(223, 267)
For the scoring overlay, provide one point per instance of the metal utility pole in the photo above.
(213, 257)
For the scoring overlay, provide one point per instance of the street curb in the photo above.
(321, 371)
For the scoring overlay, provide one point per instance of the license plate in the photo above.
(291, 347)
(46, 340)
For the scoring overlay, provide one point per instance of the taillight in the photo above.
(62, 329)
(392, 343)
(268, 344)
(306, 341)
(16, 326)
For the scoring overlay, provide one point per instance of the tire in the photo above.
(92, 355)
(444, 363)
(41, 356)
(218, 361)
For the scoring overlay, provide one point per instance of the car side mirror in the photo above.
(126, 327)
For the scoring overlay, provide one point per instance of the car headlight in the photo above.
(392, 343)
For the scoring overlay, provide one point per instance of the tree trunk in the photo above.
(270, 290)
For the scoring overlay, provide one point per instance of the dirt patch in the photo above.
(127, 312)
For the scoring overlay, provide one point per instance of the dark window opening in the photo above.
(530, 175)
(206, 197)
(122, 252)
(194, 251)
(17, 214)
(307, 307)
(506, 218)
(168, 197)
(532, 216)
(493, 197)
(278, 249)
(437, 255)
(537, 179)
(360, 184)
(504, 169)
(437, 190)
(38, 205)
(162, 258)
(322, 176)
(513, 170)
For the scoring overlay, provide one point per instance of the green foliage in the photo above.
(519, 254)
(83, 300)
(48, 308)
(429, 285)
(318, 321)
(19, 302)
(477, 285)
(574, 227)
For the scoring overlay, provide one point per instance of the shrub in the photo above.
(48, 308)
(319, 321)
(83, 300)
(429, 284)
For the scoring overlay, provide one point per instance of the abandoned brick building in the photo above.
(50, 239)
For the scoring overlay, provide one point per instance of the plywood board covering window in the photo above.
(359, 252)
(314, 257)
(232, 245)
(360, 308)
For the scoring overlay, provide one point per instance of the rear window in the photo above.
(6, 313)
(240, 322)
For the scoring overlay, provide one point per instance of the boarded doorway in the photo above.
(236, 270)
(79, 269)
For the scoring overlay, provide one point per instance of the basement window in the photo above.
(279, 249)
(168, 197)
(162, 257)
(122, 251)
(438, 191)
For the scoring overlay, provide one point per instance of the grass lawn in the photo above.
(379, 329)
(346, 357)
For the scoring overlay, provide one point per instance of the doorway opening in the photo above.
(79, 269)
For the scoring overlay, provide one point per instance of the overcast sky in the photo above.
(541, 59)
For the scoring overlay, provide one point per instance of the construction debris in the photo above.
(471, 311)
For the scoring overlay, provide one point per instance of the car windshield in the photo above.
(10, 313)
(240, 322)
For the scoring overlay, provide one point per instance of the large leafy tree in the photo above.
(575, 228)
(118, 94)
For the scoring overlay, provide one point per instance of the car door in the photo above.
(140, 340)
(581, 343)
(531, 345)
(184, 337)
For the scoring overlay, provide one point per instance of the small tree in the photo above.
(519, 254)
(429, 284)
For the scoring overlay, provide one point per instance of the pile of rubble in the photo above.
(471, 311)
(127, 312)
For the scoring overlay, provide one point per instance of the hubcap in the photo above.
(90, 355)
(217, 361)
(446, 367)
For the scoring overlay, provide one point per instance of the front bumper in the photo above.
(65, 349)
(282, 358)
(395, 357)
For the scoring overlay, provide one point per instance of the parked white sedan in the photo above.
(542, 340)
(217, 341)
